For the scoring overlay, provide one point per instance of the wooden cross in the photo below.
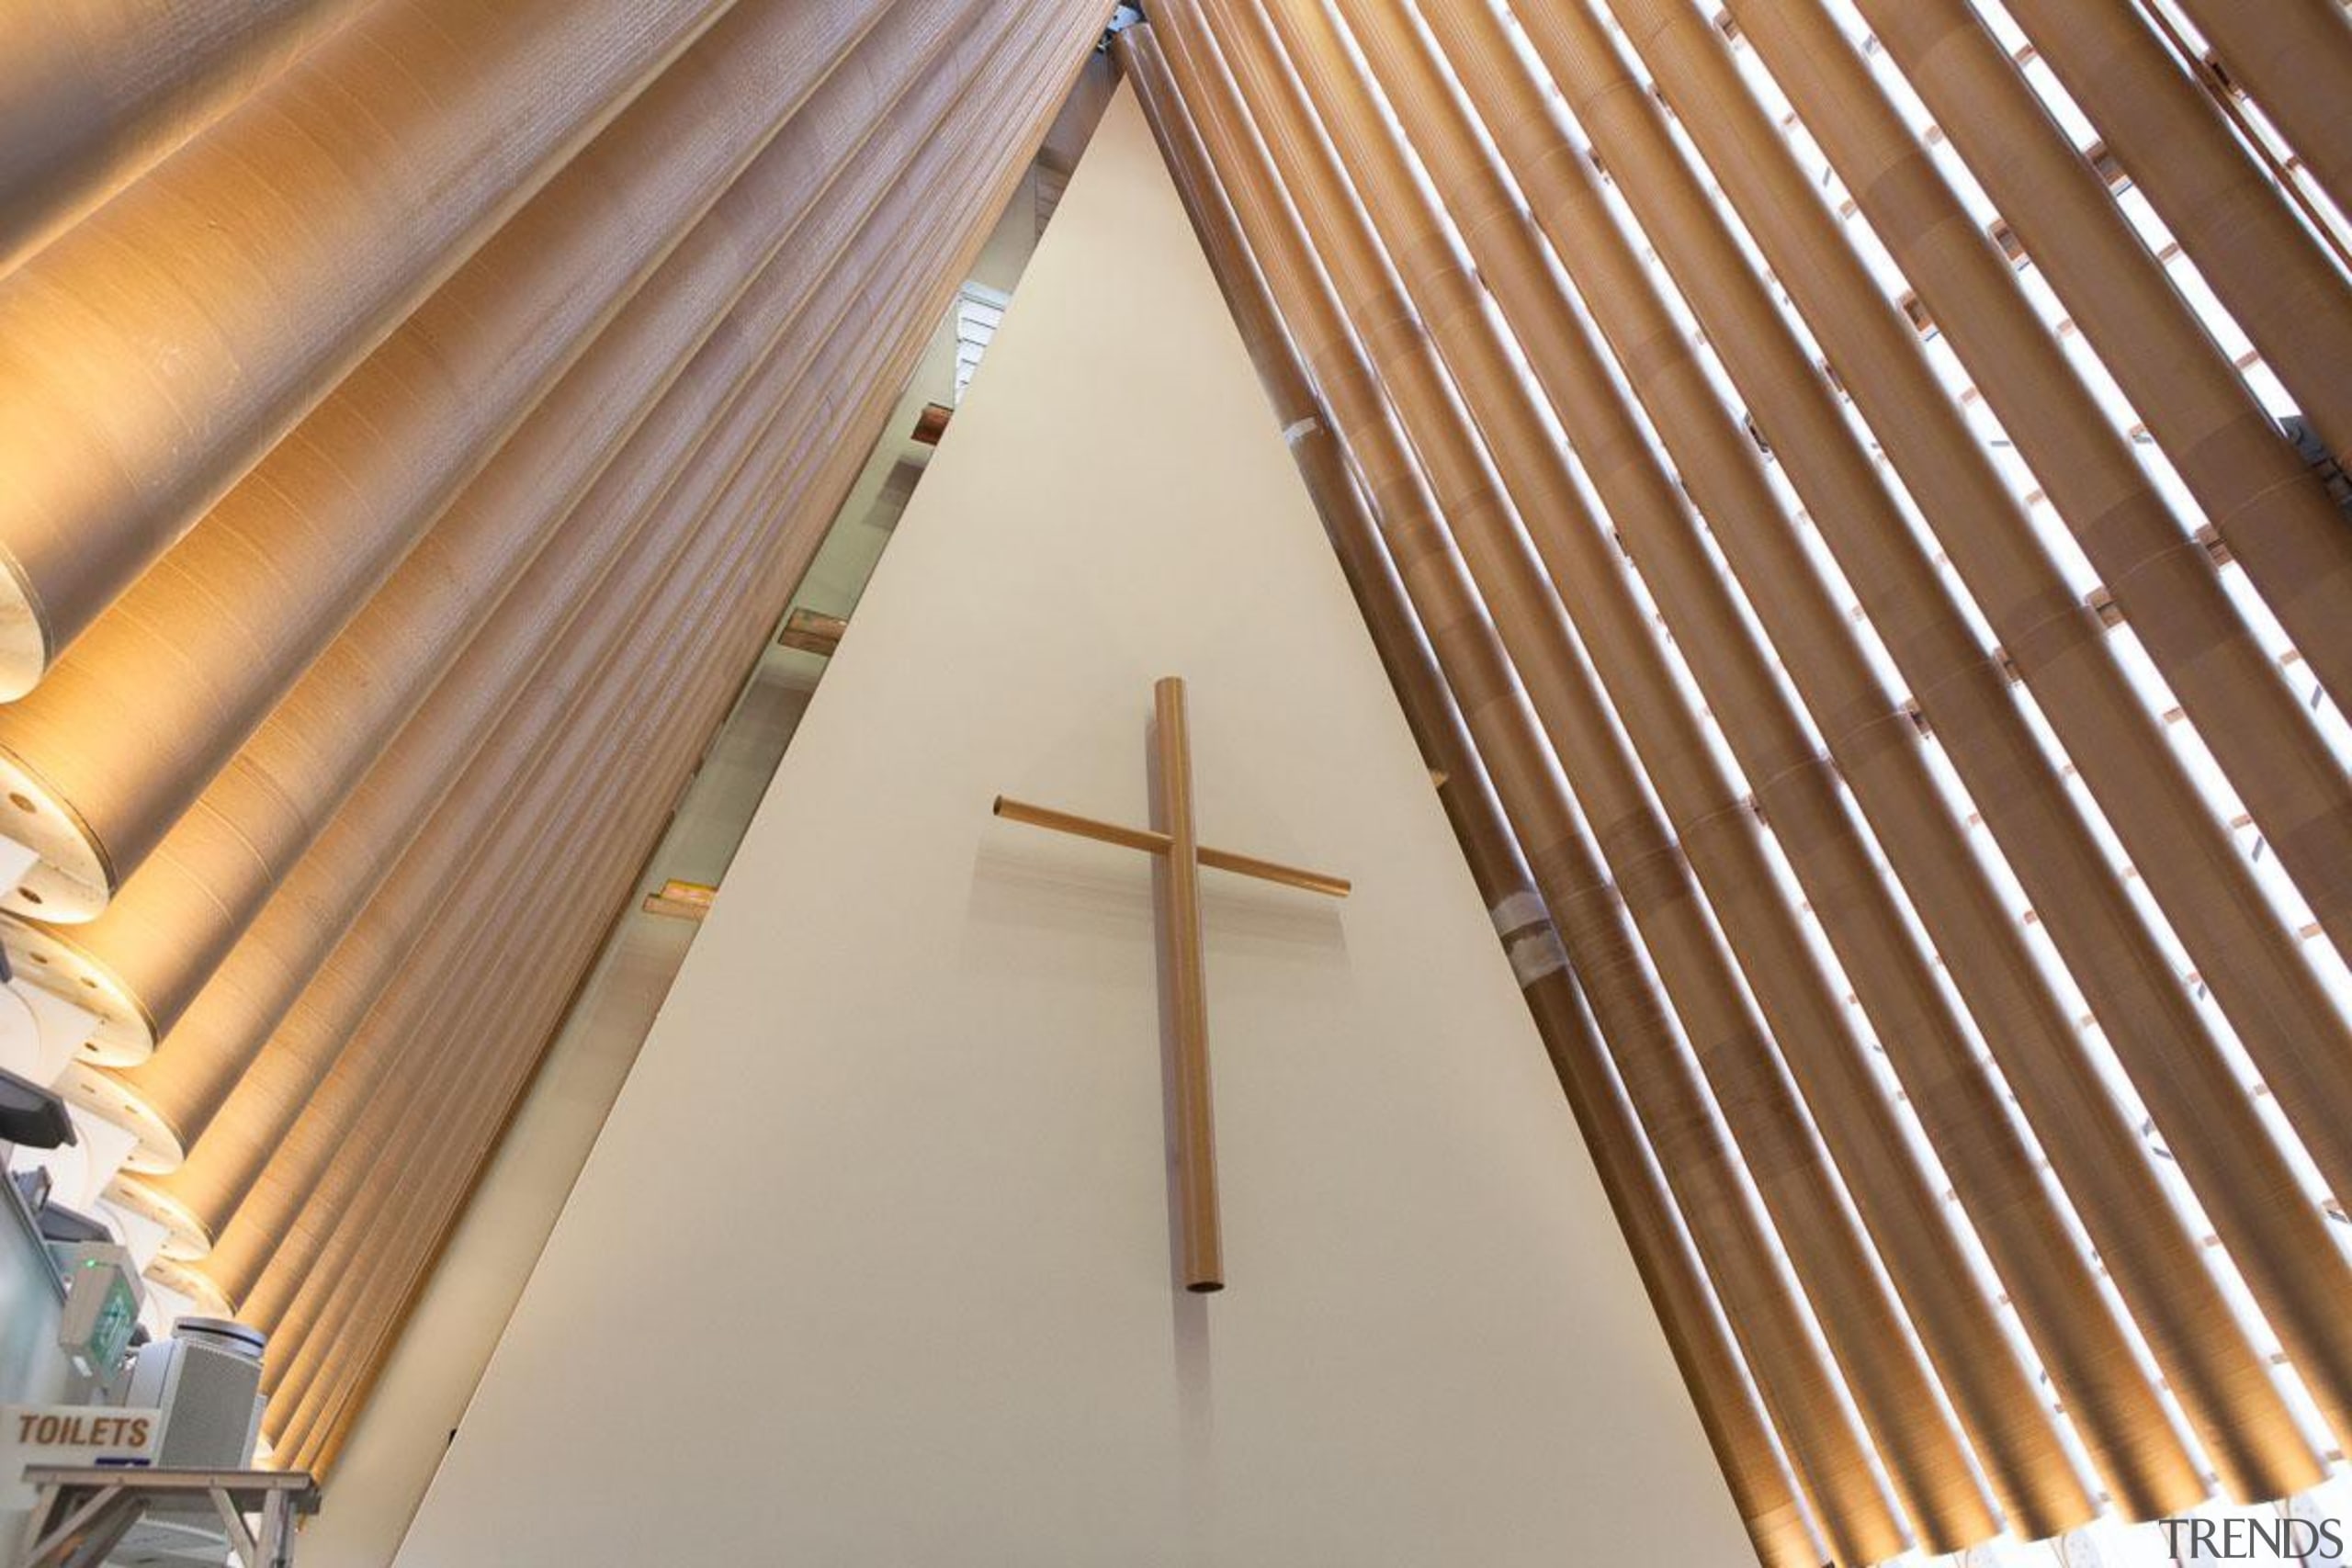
(1180, 925)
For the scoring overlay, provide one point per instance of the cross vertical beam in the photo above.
(1181, 923)
(1177, 841)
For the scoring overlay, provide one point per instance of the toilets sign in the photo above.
(68, 1434)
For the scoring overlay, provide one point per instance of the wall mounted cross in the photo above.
(1180, 929)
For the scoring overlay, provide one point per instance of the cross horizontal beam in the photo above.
(1152, 841)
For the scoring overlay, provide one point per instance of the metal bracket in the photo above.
(1123, 17)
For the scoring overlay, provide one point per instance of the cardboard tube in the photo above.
(378, 1247)
(1741, 1045)
(230, 1020)
(2294, 56)
(2008, 1424)
(378, 1240)
(2246, 956)
(2209, 1124)
(2262, 262)
(354, 1336)
(156, 696)
(162, 936)
(2267, 504)
(284, 1080)
(2163, 582)
(433, 1054)
(151, 354)
(327, 1343)
(1727, 1224)
(271, 1062)
(2096, 1152)
(1712, 1370)
(417, 1135)
(388, 1050)
(95, 94)
(1963, 1107)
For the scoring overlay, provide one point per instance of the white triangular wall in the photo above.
(872, 1265)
